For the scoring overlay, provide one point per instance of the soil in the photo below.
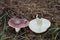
(49, 9)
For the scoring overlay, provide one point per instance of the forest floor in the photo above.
(49, 9)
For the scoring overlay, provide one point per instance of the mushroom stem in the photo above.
(39, 21)
(17, 29)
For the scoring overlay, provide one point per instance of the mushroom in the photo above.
(18, 23)
(39, 25)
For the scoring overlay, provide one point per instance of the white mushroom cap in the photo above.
(39, 25)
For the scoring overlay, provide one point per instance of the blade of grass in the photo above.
(57, 35)
(56, 30)
(3, 31)
(53, 36)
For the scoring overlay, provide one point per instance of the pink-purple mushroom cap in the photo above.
(18, 23)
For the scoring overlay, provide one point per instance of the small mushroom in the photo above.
(18, 23)
(39, 25)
